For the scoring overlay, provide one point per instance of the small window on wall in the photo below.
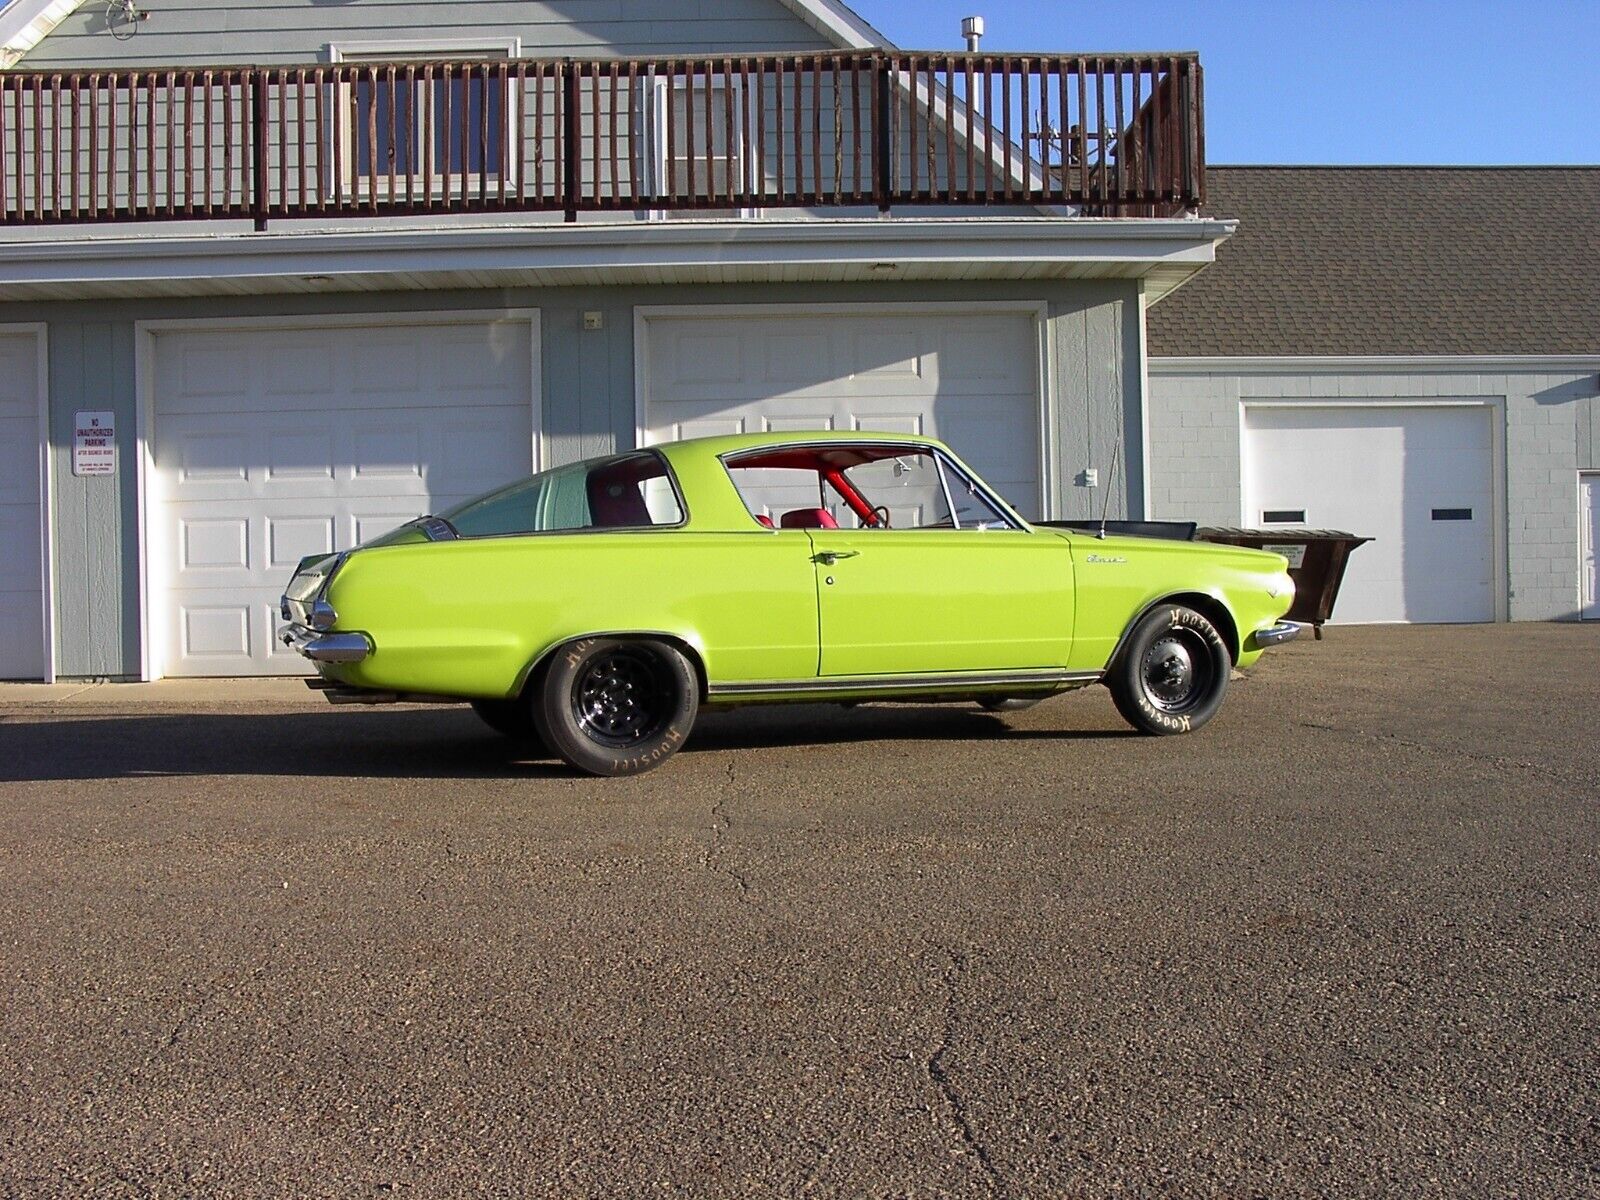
(424, 128)
(1283, 516)
(696, 154)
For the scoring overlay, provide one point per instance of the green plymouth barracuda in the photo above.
(595, 608)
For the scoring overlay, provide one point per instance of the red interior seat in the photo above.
(763, 519)
(808, 518)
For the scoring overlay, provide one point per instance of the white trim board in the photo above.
(1080, 247)
(370, 49)
(1044, 391)
(145, 334)
(40, 332)
(1592, 478)
(26, 23)
(1503, 363)
(1144, 403)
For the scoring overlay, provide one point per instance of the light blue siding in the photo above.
(587, 397)
(299, 31)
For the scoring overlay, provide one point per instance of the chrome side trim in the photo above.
(956, 682)
(1276, 635)
(327, 647)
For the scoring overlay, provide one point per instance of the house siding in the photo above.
(299, 31)
(1546, 426)
(1092, 365)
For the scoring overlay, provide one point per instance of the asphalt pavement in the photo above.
(1343, 941)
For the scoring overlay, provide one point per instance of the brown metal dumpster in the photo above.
(1317, 559)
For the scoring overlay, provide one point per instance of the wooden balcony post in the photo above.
(570, 146)
(258, 135)
(882, 167)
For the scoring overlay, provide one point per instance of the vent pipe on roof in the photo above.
(972, 30)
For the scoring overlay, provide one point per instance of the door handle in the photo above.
(828, 557)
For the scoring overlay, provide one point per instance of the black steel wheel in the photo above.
(1172, 672)
(616, 706)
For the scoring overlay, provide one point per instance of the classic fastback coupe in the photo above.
(595, 608)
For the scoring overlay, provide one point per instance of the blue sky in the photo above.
(1408, 81)
(1341, 81)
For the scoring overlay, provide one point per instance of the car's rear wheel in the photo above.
(1172, 672)
(616, 706)
(511, 718)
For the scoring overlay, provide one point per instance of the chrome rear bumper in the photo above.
(327, 647)
(1283, 631)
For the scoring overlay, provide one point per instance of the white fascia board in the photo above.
(686, 244)
(1341, 364)
(26, 23)
(841, 23)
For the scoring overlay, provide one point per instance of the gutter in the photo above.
(612, 246)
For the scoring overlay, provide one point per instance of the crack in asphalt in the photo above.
(432, 876)
(1493, 760)
(814, 1171)
(711, 858)
(934, 1066)
(214, 988)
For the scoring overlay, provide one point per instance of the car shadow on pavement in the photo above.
(444, 743)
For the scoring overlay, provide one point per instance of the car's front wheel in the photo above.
(1172, 672)
(616, 706)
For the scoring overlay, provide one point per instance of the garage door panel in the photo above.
(368, 525)
(969, 378)
(869, 421)
(19, 462)
(290, 539)
(798, 424)
(1384, 473)
(214, 631)
(384, 424)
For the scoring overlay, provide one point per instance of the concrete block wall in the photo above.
(1545, 413)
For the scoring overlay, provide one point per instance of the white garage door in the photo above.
(22, 654)
(271, 444)
(1415, 479)
(969, 378)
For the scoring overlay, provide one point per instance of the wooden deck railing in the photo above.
(1105, 135)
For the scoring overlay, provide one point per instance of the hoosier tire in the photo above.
(616, 706)
(1172, 672)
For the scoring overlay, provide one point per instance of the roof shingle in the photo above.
(1394, 260)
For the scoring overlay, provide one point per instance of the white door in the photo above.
(1417, 480)
(274, 443)
(1589, 541)
(22, 651)
(968, 378)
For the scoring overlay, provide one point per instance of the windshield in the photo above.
(624, 491)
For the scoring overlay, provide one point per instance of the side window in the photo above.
(972, 508)
(630, 492)
(770, 492)
(907, 486)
